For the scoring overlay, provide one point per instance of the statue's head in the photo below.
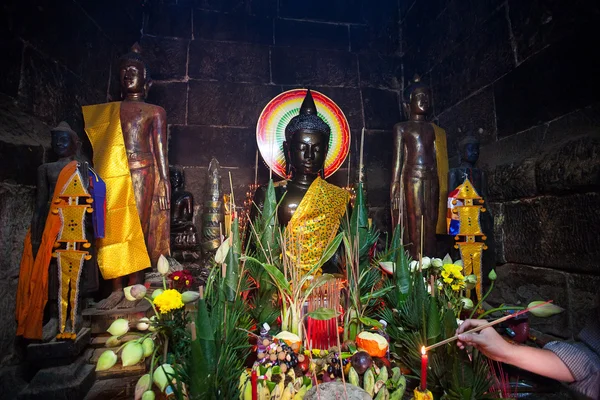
(134, 75)
(469, 149)
(306, 141)
(65, 141)
(417, 98)
(176, 177)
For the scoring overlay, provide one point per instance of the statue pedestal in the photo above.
(56, 353)
(67, 382)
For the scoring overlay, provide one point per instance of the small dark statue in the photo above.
(184, 235)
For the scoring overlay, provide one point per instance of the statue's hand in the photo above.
(164, 197)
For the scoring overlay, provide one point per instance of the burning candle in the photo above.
(424, 362)
(254, 382)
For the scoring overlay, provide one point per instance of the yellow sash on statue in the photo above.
(315, 223)
(441, 158)
(123, 250)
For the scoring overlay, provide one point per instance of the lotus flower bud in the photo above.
(162, 265)
(388, 266)
(143, 324)
(470, 281)
(113, 341)
(492, 275)
(459, 263)
(119, 327)
(127, 293)
(160, 376)
(414, 264)
(132, 353)
(437, 262)
(142, 386)
(547, 310)
(157, 292)
(189, 296)
(148, 346)
(106, 360)
(467, 303)
(426, 262)
(447, 260)
(153, 323)
(138, 291)
(222, 252)
(149, 395)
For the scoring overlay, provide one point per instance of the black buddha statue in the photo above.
(184, 235)
(311, 209)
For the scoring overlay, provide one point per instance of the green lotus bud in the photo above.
(127, 293)
(437, 262)
(492, 275)
(162, 265)
(414, 265)
(119, 327)
(153, 323)
(447, 260)
(470, 281)
(160, 376)
(467, 303)
(138, 291)
(156, 293)
(222, 251)
(547, 310)
(143, 324)
(149, 395)
(426, 262)
(142, 386)
(189, 296)
(133, 352)
(113, 341)
(106, 360)
(148, 346)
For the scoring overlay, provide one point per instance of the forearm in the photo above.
(539, 361)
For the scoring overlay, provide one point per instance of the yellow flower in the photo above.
(448, 280)
(176, 278)
(456, 288)
(445, 274)
(168, 300)
(458, 275)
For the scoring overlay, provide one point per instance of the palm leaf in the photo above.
(232, 274)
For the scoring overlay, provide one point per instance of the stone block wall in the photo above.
(216, 64)
(518, 74)
(56, 56)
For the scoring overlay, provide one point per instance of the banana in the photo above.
(401, 388)
(369, 382)
(301, 393)
(353, 377)
(383, 374)
(383, 394)
(248, 390)
(288, 393)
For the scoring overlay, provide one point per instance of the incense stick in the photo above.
(481, 327)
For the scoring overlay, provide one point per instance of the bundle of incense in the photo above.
(481, 327)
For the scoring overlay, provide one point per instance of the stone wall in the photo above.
(519, 75)
(56, 57)
(216, 64)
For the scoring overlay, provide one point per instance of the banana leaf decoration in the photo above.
(359, 226)
(268, 238)
(232, 274)
(402, 275)
(203, 354)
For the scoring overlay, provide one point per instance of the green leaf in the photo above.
(204, 352)
(278, 278)
(402, 274)
(434, 328)
(376, 294)
(232, 274)
(323, 314)
(370, 322)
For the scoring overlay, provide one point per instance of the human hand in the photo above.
(164, 195)
(487, 340)
(395, 196)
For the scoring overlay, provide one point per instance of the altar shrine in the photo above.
(299, 200)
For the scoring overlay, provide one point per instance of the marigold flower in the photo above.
(168, 300)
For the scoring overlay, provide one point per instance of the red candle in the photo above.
(254, 382)
(423, 369)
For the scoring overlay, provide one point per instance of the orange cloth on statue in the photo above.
(32, 291)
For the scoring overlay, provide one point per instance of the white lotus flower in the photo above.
(388, 266)
(153, 322)
(148, 395)
(222, 251)
(132, 354)
(189, 296)
(113, 341)
(162, 265)
(426, 262)
(547, 310)
(119, 327)
(437, 262)
(106, 360)
(142, 386)
(467, 303)
(143, 324)
(414, 265)
(148, 346)
(135, 292)
(156, 292)
(160, 376)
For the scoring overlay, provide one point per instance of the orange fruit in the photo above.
(373, 343)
